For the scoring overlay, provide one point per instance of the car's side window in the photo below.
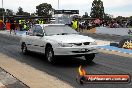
(38, 30)
(33, 28)
(30, 32)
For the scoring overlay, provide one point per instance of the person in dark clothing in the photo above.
(12, 26)
(87, 25)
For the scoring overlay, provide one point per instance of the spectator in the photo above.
(74, 24)
(7, 24)
(1, 25)
(12, 21)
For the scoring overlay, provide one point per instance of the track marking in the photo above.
(115, 53)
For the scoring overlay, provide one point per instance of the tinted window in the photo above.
(33, 28)
(58, 30)
(38, 30)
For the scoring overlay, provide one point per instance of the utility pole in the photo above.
(58, 4)
(3, 10)
(58, 14)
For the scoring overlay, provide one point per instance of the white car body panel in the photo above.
(73, 38)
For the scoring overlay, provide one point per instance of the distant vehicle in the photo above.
(58, 40)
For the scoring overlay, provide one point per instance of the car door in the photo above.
(37, 40)
(29, 39)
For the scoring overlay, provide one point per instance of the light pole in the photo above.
(57, 18)
(58, 4)
(3, 10)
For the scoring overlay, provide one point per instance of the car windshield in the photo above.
(59, 30)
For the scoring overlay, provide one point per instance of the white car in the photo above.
(58, 40)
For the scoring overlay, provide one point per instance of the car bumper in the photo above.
(68, 51)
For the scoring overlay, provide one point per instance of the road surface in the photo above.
(67, 68)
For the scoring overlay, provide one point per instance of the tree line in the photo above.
(46, 10)
(43, 9)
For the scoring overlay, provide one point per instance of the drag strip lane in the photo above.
(67, 68)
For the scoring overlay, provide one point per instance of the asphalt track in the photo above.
(67, 68)
(113, 38)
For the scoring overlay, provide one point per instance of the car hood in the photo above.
(73, 38)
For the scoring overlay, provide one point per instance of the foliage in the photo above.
(86, 15)
(130, 17)
(107, 17)
(1, 11)
(26, 13)
(44, 9)
(9, 12)
(33, 14)
(97, 9)
(21, 12)
(120, 18)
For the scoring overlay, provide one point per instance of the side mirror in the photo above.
(29, 33)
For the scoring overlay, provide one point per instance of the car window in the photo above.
(59, 29)
(30, 31)
(33, 28)
(38, 30)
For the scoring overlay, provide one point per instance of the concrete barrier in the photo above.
(114, 31)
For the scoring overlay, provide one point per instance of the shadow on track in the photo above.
(61, 61)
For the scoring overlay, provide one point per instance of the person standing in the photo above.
(20, 25)
(1, 24)
(12, 26)
(74, 24)
(7, 24)
(25, 26)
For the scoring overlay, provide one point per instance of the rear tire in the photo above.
(121, 43)
(89, 58)
(49, 53)
(24, 48)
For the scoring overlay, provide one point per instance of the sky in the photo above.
(113, 7)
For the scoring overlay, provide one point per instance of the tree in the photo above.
(26, 13)
(97, 9)
(86, 15)
(107, 17)
(120, 18)
(44, 9)
(130, 17)
(20, 11)
(33, 14)
(2, 10)
(9, 12)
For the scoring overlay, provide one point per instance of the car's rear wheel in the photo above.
(24, 48)
(49, 53)
(89, 58)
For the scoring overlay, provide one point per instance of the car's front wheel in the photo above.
(89, 58)
(49, 53)
(24, 48)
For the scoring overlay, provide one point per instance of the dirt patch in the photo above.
(93, 30)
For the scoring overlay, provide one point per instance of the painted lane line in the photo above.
(115, 51)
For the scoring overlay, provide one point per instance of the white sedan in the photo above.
(58, 40)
